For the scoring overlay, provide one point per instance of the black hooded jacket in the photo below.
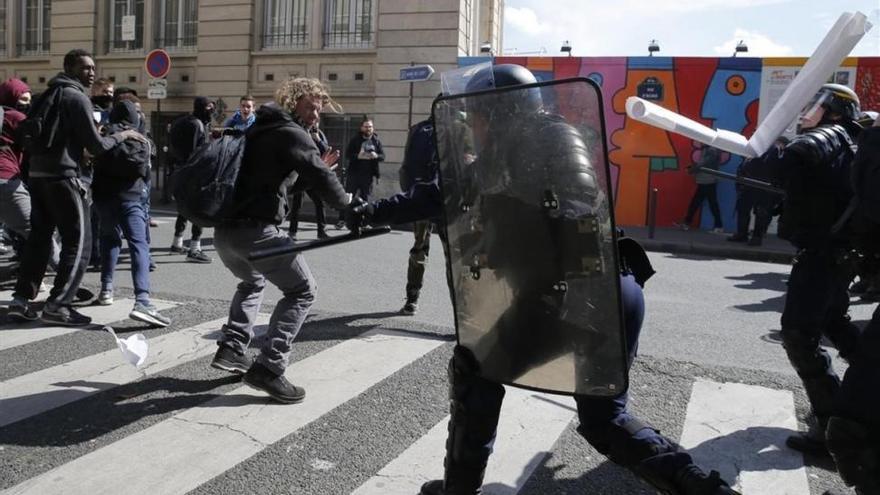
(189, 132)
(76, 131)
(120, 173)
(277, 153)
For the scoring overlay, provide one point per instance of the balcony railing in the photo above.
(33, 49)
(182, 43)
(285, 41)
(359, 37)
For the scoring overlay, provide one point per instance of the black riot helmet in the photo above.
(500, 76)
(841, 100)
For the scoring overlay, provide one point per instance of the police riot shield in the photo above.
(530, 237)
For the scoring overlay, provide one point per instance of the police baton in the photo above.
(261, 254)
(746, 181)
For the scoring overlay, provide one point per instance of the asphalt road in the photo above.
(707, 319)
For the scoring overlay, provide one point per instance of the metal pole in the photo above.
(409, 115)
(652, 212)
(746, 181)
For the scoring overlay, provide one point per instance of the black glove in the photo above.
(357, 214)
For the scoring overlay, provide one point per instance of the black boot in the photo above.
(475, 404)
(691, 480)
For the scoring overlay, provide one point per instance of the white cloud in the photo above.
(525, 20)
(703, 5)
(759, 45)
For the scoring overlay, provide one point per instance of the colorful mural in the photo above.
(719, 92)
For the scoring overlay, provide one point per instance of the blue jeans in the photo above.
(128, 218)
(289, 273)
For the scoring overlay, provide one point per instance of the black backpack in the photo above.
(37, 132)
(419, 156)
(182, 143)
(204, 186)
(128, 160)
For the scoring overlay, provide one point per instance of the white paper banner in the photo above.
(134, 348)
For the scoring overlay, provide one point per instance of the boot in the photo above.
(691, 480)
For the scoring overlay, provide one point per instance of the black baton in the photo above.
(261, 254)
(746, 181)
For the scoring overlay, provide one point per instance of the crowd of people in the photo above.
(66, 156)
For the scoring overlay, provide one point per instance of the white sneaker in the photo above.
(105, 298)
(717, 230)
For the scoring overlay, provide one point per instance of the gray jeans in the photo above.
(289, 273)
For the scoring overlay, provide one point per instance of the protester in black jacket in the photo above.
(278, 152)
(59, 199)
(187, 133)
(118, 186)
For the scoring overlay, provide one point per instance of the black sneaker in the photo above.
(410, 308)
(755, 241)
(227, 359)
(21, 313)
(692, 479)
(322, 234)
(148, 313)
(277, 386)
(177, 249)
(738, 238)
(197, 256)
(433, 487)
(64, 316)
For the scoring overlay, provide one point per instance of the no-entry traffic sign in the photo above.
(158, 63)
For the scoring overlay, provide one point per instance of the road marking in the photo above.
(529, 426)
(21, 334)
(38, 392)
(189, 449)
(740, 430)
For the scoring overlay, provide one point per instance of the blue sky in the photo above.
(770, 28)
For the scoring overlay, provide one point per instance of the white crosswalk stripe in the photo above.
(100, 315)
(734, 428)
(75, 380)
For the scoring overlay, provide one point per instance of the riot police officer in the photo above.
(475, 399)
(854, 428)
(814, 170)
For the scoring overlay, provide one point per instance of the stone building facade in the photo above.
(224, 49)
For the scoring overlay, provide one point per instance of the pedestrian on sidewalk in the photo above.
(707, 185)
(278, 152)
(750, 200)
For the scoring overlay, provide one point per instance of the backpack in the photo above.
(204, 186)
(37, 132)
(128, 160)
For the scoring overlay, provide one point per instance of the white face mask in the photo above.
(134, 348)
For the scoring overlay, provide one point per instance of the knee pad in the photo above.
(855, 452)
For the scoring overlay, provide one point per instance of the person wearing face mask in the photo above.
(186, 134)
(364, 152)
(58, 196)
(278, 152)
(244, 117)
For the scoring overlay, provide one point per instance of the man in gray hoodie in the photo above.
(58, 196)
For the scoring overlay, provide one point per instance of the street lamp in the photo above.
(566, 47)
(653, 47)
(741, 47)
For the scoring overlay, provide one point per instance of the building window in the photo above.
(126, 22)
(3, 29)
(284, 24)
(35, 27)
(348, 24)
(178, 24)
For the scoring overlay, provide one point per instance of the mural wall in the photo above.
(719, 92)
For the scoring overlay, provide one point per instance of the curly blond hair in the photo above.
(295, 88)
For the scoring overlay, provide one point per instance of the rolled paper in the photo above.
(837, 44)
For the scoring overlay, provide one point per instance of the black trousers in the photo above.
(180, 227)
(759, 202)
(65, 204)
(707, 192)
(296, 201)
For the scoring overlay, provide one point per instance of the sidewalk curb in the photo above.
(732, 252)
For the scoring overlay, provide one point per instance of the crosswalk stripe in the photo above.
(38, 392)
(180, 453)
(35, 332)
(740, 431)
(529, 426)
